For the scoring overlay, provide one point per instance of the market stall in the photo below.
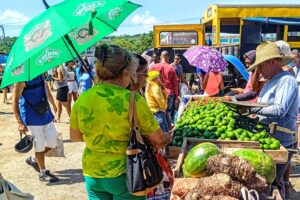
(232, 131)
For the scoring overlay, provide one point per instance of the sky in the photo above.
(15, 13)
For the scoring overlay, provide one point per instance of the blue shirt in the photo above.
(28, 115)
(281, 92)
(85, 82)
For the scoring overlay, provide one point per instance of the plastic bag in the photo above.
(9, 191)
(184, 90)
(58, 151)
(163, 191)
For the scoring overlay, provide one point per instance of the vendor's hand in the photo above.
(253, 116)
(22, 128)
(228, 98)
(237, 90)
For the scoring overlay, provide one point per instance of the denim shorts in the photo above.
(160, 117)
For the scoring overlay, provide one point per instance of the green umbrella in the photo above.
(60, 33)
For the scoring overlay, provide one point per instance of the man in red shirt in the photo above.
(169, 78)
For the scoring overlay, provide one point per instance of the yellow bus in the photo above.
(251, 24)
(176, 38)
(178, 35)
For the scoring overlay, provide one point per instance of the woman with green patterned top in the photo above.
(100, 118)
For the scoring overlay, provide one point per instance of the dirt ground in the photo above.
(14, 169)
(71, 185)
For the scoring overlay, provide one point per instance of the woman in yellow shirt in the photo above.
(157, 99)
(100, 118)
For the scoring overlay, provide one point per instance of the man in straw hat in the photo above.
(281, 93)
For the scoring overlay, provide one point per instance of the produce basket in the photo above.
(244, 107)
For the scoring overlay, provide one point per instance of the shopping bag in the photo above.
(9, 191)
(58, 151)
(143, 170)
(163, 190)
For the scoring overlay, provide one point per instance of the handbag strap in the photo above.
(133, 118)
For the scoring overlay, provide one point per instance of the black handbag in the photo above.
(43, 106)
(25, 144)
(144, 173)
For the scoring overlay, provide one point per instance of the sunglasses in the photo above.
(143, 74)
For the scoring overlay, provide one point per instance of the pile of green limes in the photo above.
(215, 120)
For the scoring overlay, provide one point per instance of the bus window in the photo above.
(173, 38)
(294, 33)
(272, 32)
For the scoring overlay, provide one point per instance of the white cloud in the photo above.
(144, 19)
(12, 16)
(13, 21)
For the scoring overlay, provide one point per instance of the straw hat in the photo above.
(152, 75)
(269, 51)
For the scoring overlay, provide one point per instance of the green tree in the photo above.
(6, 44)
(136, 43)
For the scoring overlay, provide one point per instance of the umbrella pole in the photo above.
(46, 4)
(71, 44)
(77, 54)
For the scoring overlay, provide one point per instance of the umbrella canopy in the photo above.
(206, 58)
(238, 65)
(60, 33)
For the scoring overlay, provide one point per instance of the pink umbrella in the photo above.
(206, 58)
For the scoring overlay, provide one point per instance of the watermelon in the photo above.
(195, 161)
(264, 165)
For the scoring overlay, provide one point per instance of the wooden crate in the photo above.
(175, 151)
(229, 147)
(279, 156)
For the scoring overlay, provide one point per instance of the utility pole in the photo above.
(3, 34)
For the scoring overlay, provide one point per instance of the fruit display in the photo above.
(263, 164)
(211, 119)
(221, 176)
(234, 166)
(195, 161)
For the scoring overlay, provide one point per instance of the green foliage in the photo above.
(5, 45)
(136, 43)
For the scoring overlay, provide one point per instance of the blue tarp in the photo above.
(238, 65)
(3, 58)
(274, 20)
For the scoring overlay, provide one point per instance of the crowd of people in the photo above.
(274, 79)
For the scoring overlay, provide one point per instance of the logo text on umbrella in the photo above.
(18, 71)
(81, 35)
(87, 7)
(48, 56)
(37, 35)
(114, 13)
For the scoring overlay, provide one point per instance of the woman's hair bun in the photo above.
(101, 52)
